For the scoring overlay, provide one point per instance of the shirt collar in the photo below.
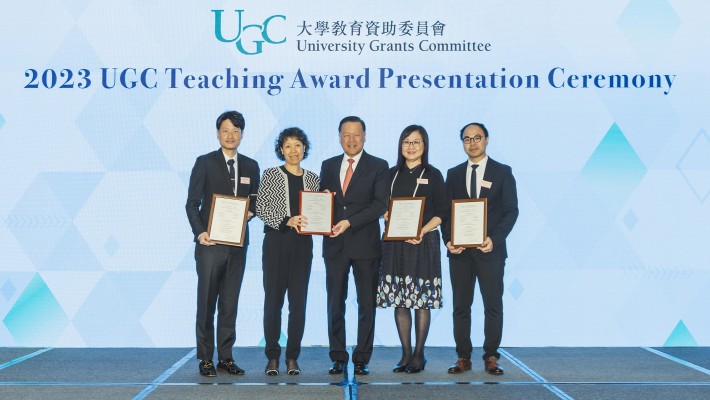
(481, 164)
(356, 157)
(227, 158)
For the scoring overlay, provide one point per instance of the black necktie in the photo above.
(230, 162)
(473, 181)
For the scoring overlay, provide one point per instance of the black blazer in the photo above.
(434, 191)
(364, 203)
(210, 175)
(502, 205)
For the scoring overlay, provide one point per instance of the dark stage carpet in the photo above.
(530, 373)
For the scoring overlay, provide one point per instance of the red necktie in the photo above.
(348, 175)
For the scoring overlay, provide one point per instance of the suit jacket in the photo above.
(366, 200)
(502, 205)
(210, 175)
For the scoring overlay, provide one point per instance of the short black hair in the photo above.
(401, 161)
(293, 133)
(478, 124)
(235, 117)
(352, 118)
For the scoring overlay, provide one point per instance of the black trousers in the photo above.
(286, 264)
(220, 270)
(366, 273)
(465, 270)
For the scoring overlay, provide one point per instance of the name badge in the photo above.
(423, 181)
(244, 180)
(486, 184)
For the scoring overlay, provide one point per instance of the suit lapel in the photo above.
(489, 176)
(335, 175)
(223, 171)
(238, 176)
(461, 170)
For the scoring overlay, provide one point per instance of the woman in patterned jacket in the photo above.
(286, 255)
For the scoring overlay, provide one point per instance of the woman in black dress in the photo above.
(410, 271)
(287, 255)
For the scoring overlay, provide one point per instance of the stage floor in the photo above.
(530, 373)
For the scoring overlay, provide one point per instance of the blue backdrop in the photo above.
(613, 169)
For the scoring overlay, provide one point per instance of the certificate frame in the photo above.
(391, 218)
(465, 203)
(308, 193)
(219, 201)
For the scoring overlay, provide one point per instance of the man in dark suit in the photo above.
(359, 181)
(480, 177)
(220, 268)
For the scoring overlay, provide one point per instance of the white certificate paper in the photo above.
(228, 219)
(404, 218)
(468, 222)
(317, 207)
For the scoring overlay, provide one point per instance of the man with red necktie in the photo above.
(359, 181)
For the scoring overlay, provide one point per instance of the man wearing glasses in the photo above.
(480, 177)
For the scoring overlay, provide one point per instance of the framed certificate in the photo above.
(468, 222)
(404, 220)
(317, 207)
(228, 219)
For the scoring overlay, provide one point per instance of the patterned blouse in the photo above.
(272, 204)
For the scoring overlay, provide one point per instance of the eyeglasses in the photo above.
(413, 143)
(475, 139)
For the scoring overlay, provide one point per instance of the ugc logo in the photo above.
(256, 44)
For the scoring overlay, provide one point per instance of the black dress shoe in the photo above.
(336, 368)
(361, 368)
(230, 367)
(416, 370)
(207, 368)
(272, 368)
